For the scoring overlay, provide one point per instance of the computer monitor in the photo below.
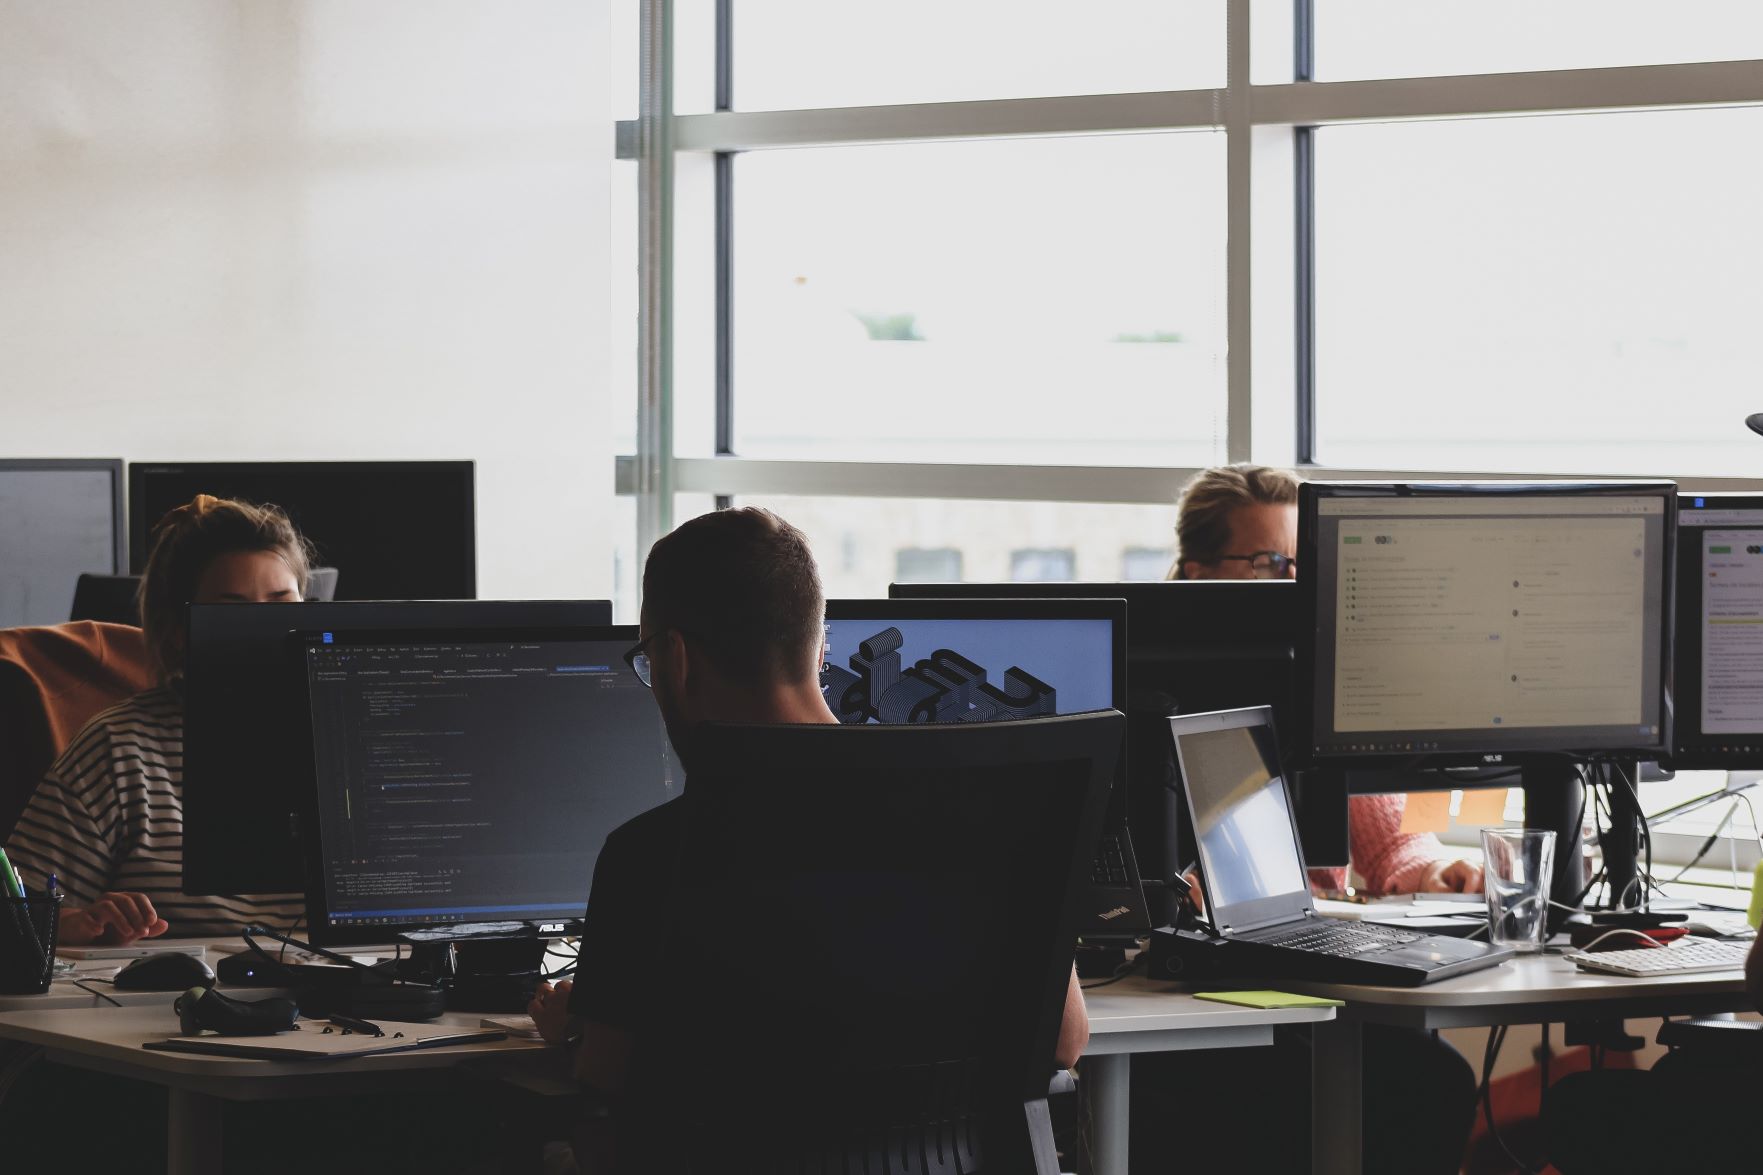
(894, 661)
(395, 530)
(58, 520)
(245, 754)
(469, 776)
(1194, 646)
(1719, 633)
(1486, 622)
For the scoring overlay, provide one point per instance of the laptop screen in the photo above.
(1250, 864)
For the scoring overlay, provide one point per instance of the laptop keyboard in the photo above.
(1110, 863)
(1344, 940)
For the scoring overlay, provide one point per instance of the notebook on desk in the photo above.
(1252, 871)
(314, 1040)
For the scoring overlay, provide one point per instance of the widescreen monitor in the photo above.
(1719, 678)
(245, 776)
(471, 776)
(1486, 622)
(58, 520)
(394, 530)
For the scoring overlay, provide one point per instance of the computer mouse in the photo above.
(168, 972)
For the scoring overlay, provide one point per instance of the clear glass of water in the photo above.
(1518, 864)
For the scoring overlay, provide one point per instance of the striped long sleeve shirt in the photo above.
(109, 816)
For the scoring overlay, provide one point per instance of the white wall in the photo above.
(320, 229)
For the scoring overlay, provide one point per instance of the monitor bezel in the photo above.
(139, 531)
(1303, 751)
(322, 931)
(119, 531)
(1691, 748)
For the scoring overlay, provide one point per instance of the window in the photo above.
(1043, 565)
(1145, 564)
(926, 565)
(1039, 300)
(1561, 295)
(806, 53)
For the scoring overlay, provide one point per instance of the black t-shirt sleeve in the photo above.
(624, 928)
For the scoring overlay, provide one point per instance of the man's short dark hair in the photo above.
(742, 586)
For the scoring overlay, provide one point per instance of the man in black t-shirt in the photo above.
(733, 630)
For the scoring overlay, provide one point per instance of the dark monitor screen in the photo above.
(1486, 622)
(1719, 656)
(395, 530)
(245, 774)
(58, 521)
(471, 776)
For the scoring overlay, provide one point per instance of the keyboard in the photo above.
(1686, 956)
(1341, 940)
(1109, 867)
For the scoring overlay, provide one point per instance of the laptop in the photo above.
(1252, 871)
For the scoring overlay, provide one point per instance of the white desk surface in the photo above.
(1140, 1015)
(114, 1036)
(1538, 979)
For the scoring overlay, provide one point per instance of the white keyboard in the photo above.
(1686, 956)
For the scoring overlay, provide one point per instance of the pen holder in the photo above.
(28, 928)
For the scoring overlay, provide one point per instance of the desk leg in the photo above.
(193, 1133)
(1336, 1096)
(1109, 1081)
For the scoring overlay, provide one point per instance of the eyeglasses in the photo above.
(1265, 564)
(638, 659)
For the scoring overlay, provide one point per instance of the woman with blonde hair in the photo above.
(107, 819)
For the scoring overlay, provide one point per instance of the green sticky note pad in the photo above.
(1268, 999)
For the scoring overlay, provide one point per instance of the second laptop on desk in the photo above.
(1257, 895)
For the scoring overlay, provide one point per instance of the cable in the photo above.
(1496, 1038)
(1120, 972)
(1713, 838)
(81, 984)
(1647, 938)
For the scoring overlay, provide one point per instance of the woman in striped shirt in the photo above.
(107, 820)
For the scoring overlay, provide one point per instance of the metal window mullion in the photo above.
(655, 197)
(1239, 258)
(1304, 239)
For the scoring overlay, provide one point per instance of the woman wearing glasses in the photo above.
(1241, 522)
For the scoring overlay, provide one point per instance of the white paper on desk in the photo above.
(311, 1042)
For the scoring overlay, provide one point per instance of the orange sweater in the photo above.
(1390, 860)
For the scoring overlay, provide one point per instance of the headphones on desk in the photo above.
(204, 1008)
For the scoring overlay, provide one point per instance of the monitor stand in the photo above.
(1621, 846)
(1552, 800)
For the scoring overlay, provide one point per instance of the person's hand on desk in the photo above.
(1450, 877)
(115, 919)
(550, 1011)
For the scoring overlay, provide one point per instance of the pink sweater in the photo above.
(1390, 860)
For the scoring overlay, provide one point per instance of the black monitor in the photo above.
(1486, 622)
(470, 776)
(1719, 633)
(1193, 646)
(395, 530)
(58, 520)
(245, 756)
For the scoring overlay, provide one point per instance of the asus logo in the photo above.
(1493, 758)
(1107, 915)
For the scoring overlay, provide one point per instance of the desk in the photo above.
(1530, 989)
(1137, 1015)
(109, 1040)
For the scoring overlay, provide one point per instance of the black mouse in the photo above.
(167, 972)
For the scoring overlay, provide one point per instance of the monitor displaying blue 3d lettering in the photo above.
(896, 669)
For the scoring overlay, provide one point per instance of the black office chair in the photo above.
(110, 598)
(882, 928)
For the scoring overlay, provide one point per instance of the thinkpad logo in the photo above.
(1116, 912)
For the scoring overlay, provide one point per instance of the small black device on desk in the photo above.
(1263, 921)
(172, 971)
